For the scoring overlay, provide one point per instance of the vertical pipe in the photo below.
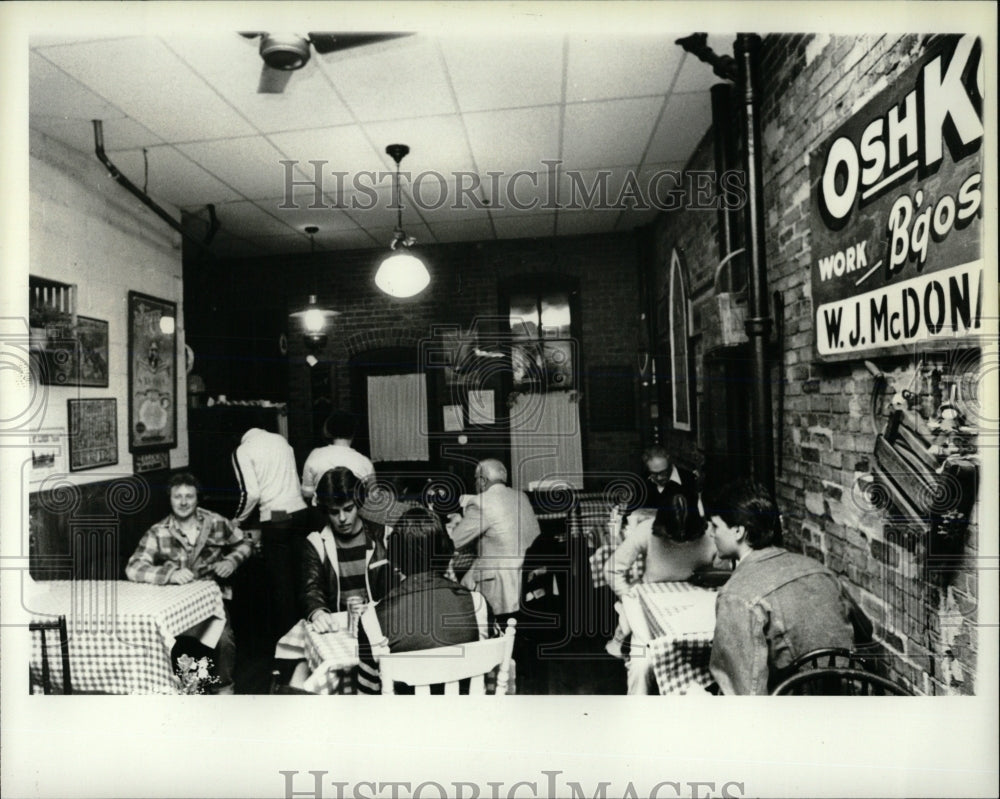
(724, 158)
(758, 322)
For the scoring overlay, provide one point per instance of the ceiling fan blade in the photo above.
(330, 42)
(273, 81)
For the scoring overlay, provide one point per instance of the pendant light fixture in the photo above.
(401, 274)
(314, 318)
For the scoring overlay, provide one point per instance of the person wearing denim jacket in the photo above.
(777, 606)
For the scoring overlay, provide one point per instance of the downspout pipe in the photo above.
(759, 322)
(115, 172)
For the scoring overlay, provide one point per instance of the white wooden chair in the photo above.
(448, 665)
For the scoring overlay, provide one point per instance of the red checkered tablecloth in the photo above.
(681, 622)
(121, 633)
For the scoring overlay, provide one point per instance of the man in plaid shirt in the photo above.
(192, 544)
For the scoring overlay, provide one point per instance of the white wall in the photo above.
(87, 229)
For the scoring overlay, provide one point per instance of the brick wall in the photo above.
(923, 603)
(465, 279)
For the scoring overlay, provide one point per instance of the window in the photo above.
(678, 329)
(541, 340)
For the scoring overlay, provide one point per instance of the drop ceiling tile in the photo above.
(375, 88)
(172, 177)
(525, 226)
(685, 121)
(520, 194)
(603, 67)
(374, 208)
(232, 65)
(52, 93)
(344, 149)
(249, 221)
(147, 81)
(477, 229)
(326, 219)
(572, 223)
(507, 141)
(481, 71)
(608, 133)
(437, 144)
(252, 165)
(356, 240)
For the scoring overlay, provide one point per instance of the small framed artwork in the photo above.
(76, 355)
(93, 433)
(152, 373)
(47, 453)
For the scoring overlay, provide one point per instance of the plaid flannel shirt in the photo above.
(164, 549)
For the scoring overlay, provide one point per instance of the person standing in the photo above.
(268, 480)
(501, 521)
(339, 429)
(778, 605)
(190, 544)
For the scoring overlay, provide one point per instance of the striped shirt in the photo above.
(351, 567)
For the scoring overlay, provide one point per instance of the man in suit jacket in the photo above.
(502, 522)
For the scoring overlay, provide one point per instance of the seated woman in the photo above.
(675, 544)
(346, 558)
(426, 610)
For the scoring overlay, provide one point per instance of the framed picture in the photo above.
(152, 373)
(93, 433)
(76, 355)
(47, 453)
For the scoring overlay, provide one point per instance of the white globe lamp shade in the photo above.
(402, 275)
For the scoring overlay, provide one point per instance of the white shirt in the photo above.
(322, 459)
(265, 469)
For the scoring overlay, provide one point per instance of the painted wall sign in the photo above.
(896, 222)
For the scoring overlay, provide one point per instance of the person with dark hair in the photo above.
(193, 543)
(674, 545)
(346, 558)
(426, 610)
(338, 430)
(264, 464)
(778, 605)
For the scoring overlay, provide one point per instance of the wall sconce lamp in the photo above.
(314, 318)
(401, 274)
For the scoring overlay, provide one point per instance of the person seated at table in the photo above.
(193, 543)
(346, 558)
(500, 522)
(426, 610)
(339, 430)
(666, 479)
(675, 545)
(777, 605)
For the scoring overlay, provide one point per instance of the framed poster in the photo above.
(46, 453)
(93, 433)
(77, 355)
(152, 373)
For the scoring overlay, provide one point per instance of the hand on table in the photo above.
(223, 568)
(325, 622)
(182, 577)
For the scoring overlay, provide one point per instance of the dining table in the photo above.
(672, 626)
(121, 633)
(331, 657)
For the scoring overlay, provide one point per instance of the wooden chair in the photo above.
(828, 658)
(838, 682)
(448, 665)
(281, 689)
(43, 628)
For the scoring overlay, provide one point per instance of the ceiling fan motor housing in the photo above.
(286, 51)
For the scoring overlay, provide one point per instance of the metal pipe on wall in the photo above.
(759, 322)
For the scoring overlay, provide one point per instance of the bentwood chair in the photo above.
(42, 629)
(838, 682)
(448, 665)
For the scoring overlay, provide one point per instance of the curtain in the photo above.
(545, 440)
(397, 418)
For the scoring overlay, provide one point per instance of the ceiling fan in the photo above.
(283, 53)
